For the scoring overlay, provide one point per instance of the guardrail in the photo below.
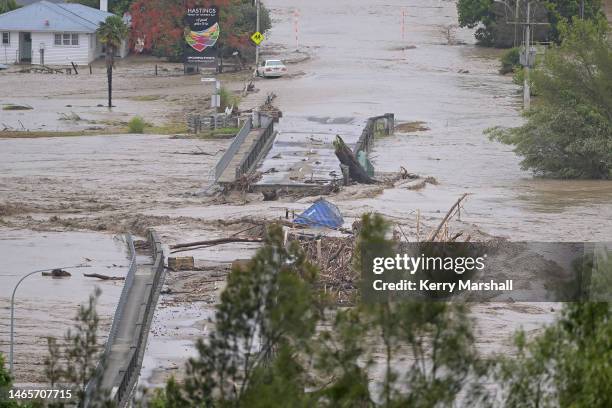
(233, 148)
(250, 159)
(367, 136)
(112, 334)
(128, 376)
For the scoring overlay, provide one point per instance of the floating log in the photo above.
(103, 277)
(346, 157)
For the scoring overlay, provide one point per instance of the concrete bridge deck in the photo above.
(128, 329)
(229, 174)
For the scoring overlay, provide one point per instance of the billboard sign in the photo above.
(201, 35)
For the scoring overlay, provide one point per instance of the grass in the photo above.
(167, 129)
(145, 98)
(228, 98)
(35, 134)
(172, 128)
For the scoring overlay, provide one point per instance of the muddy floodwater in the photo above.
(45, 306)
(63, 199)
(362, 67)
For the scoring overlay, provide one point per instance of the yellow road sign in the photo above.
(257, 38)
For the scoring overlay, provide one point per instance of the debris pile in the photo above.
(333, 256)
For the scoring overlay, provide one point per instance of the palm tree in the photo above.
(111, 33)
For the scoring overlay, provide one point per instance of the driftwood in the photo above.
(103, 277)
(449, 214)
(209, 243)
(346, 157)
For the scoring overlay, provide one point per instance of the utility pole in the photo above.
(582, 9)
(526, 89)
(528, 53)
(257, 29)
(516, 17)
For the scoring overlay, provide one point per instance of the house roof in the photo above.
(28, 2)
(52, 17)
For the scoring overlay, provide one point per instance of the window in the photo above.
(66, 39)
(6, 38)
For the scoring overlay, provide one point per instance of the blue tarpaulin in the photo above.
(321, 214)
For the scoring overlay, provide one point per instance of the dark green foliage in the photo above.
(80, 352)
(566, 10)
(5, 385)
(90, 3)
(266, 313)
(264, 351)
(111, 34)
(568, 365)
(568, 133)
(7, 5)
(491, 19)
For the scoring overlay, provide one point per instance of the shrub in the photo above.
(136, 125)
(228, 99)
(510, 59)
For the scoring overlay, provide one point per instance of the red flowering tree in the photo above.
(158, 25)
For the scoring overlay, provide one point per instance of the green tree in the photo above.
(76, 360)
(8, 5)
(491, 18)
(568, 365)
(5, 385)
(90, 3)
(265, 352)
(112, 32)
(566, 10)
(266, 313)
(568, 131)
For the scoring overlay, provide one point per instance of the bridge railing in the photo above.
(112, 334)
(233, 148)
(128, 375)
(249, 160)
(371, 128)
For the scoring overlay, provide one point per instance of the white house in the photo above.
(52, 34)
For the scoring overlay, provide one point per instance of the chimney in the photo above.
(104, 5)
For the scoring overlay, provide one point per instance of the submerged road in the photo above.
(361, 66)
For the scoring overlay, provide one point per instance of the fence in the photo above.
(197, 123)
(126, 378)
(250, 159)
(371, 128)
(233, 149)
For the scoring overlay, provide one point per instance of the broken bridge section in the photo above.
(122, 359)
(303, 154)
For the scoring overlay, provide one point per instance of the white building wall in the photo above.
(8, 54)
(60, 54)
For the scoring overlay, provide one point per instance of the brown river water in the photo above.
(360, 67)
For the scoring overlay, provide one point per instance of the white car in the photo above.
(272, 68)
